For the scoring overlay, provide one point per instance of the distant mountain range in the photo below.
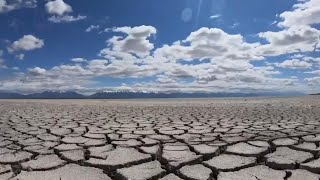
(315, 94)
(43, 95)
(132, 95)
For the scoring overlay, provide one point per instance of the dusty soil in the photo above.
(221, 138)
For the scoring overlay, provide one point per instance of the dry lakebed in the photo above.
(167, 139)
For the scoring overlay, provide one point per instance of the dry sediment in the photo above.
(253, 138)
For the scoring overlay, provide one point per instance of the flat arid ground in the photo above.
(168, 139)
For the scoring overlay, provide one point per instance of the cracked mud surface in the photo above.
(195, 139)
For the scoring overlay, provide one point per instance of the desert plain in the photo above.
(168, 139)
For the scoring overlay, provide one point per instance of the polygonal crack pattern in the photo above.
(243, 139)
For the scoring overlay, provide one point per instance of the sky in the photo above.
(160, 46)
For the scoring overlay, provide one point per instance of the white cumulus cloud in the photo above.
(208, 59)
(60, 12)
(306, 12)
(135, 40)
(293, 39)
(294, 64)
(26, 43)
(37, 71)
(58, 7)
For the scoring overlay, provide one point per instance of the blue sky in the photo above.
(181, 45)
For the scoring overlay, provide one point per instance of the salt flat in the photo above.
(219, 138)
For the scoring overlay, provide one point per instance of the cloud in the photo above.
(92, 27)
(63, 77)
(293, 39)
(60, 12)
(229, 64)
(120, 68)
(37, 71)
(224, 64)
(41, 83)
(228, 69)
(58, 7)
(20, 56)
(78, 60)
(10, 5)
(295, 64)
(317, 72)
(80, 77)
(26, 43)
(306, 12)
(313, 81)
(293, 35)
(135, 42)
(208, 59)
(215, 16)
(297, 34)
(216, 86)
(207, 43)
(297, 56)
(274, 22)
(234, 25)
(66, 18)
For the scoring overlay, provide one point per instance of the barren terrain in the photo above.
(168, 139)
